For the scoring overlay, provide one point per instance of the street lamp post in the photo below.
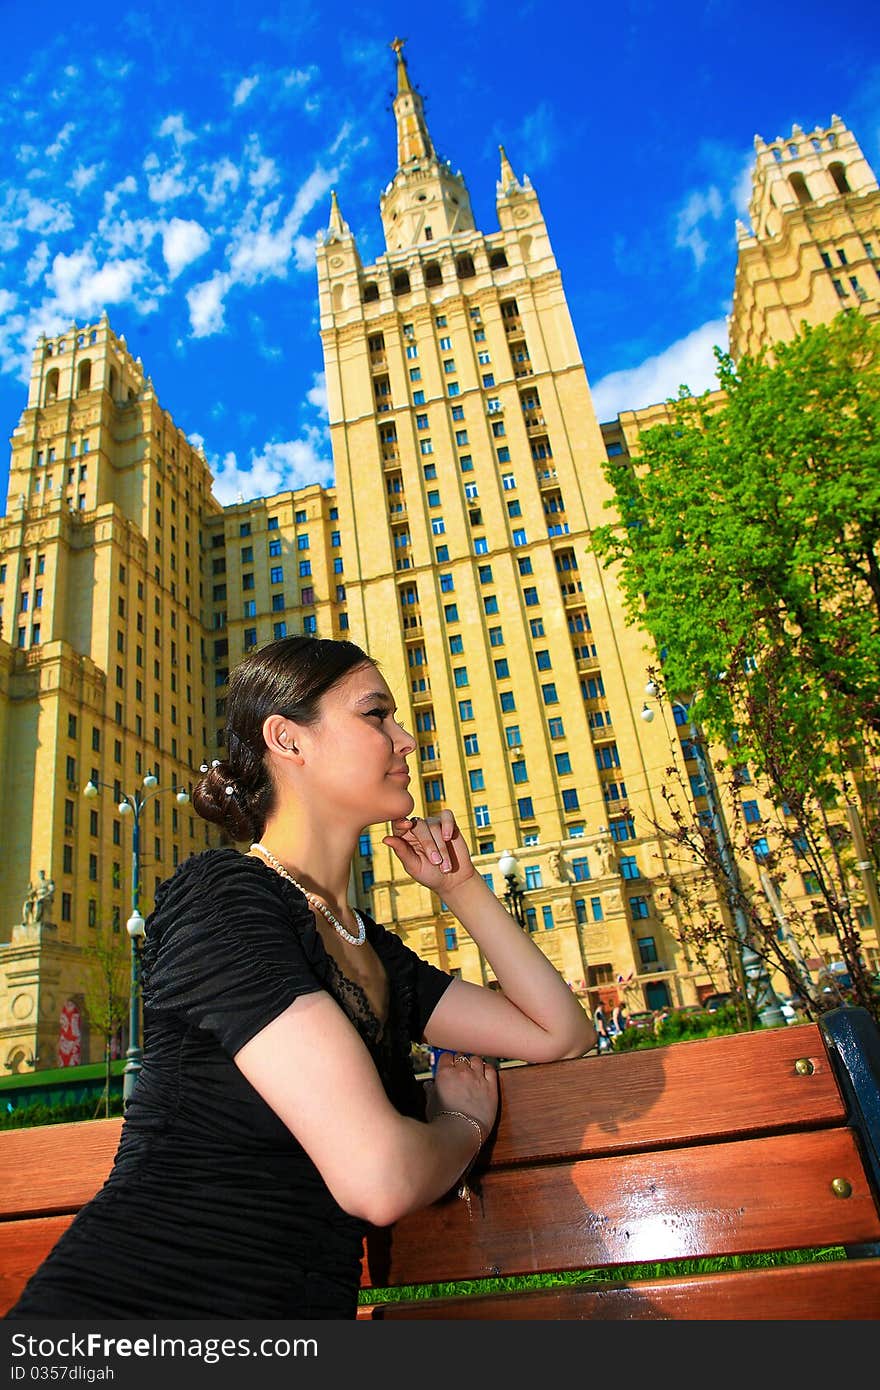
(514, 893)
(133, 805)
(754, 968)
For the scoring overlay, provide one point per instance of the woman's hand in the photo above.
(465, 1083)
(432, 851)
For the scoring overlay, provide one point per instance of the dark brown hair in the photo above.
(286, 677)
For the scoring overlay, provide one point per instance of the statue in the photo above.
(27, 907)
(557, 863)
(606, 856)
(43, 895)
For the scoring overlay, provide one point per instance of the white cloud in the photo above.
(182, 243)
(300, 77)
(279, 465)
(61, 139)
(317, 396)
(206, 308)
(175, 127)
(304, 252)
(82, 176)
(741, 194)
(126, 233)
(689, 361)
(82, 287)
(37, 263)
(537, 137)
(8, 301)
(112, 195)
(26, 154)
(225, 178)
(169, 184)
(263, 174)
(21, 211)
(244, 89)
(698, 206)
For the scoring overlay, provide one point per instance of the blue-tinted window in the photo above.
(629, 867)
(570, 800)
(525, 808)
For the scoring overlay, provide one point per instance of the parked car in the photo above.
(644, 1018)
(717, 1001)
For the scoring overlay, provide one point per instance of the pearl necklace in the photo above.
(316, 902)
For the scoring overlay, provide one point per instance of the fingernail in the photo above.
(436, 858)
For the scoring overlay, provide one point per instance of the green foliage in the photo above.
(750, 534)
(25, 1116)
(771, 1259)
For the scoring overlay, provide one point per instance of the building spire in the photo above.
(413, 140)
(337, 224)
(508, 177)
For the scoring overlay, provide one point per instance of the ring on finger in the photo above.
(461, 1057)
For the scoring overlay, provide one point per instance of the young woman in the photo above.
(277, 1115)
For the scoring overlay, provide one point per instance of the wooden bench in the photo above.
(763, 1141)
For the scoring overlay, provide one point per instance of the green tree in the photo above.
(747, 540)
(106, 992)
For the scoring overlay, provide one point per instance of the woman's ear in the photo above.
(279, 735)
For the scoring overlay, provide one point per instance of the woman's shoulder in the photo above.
(216, 877)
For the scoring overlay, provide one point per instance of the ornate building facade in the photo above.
(454, 547)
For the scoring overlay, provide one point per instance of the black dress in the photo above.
(212, 1208)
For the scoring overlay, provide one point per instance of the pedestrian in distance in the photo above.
(600, 1023)
(277, 1115)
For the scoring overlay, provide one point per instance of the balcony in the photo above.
(588, 663)
(419, 698)
(534, 420)
(412, 626)
(513, 324)
(572, 594)
(378, 362)
(547, 478)
(390, 457)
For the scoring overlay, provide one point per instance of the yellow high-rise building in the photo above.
(454, 546)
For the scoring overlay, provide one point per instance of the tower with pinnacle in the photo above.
(813, 247)
(468, 474)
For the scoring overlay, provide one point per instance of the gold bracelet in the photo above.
(460, 1115)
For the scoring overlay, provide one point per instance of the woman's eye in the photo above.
(380, 713)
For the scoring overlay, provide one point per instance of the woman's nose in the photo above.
(405, 742)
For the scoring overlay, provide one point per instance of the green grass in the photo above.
(626, 1273)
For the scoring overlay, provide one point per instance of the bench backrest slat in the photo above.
(708, 1089)
(46, 1169)
(716, 1199)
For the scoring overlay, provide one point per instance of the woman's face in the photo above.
(355, 754)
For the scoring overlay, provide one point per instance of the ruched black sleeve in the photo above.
(226, 949)
(421, 984)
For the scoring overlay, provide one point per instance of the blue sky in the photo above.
(173, 163)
